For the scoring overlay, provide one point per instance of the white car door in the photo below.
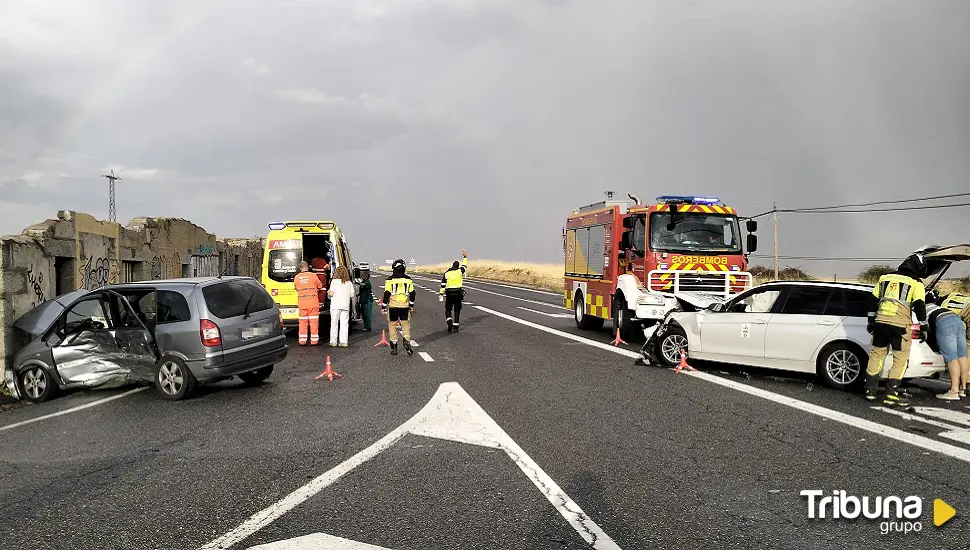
(737, 335)
(799, 328)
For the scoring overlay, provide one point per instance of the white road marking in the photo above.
(956, 433)
(415, 343)
(426, 356)
(72, 409)
(854, 421)
(557, 315)
(317, 541)
(451, 415)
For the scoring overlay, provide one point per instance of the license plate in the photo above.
(290, 311)
(254, 332)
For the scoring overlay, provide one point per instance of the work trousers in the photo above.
(367, 311)
(339, 325)
(310, 325)
(395, 315)
(453, 302)
(884, 338)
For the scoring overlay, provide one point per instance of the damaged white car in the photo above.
(801, 326)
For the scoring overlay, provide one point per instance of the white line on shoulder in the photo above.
(854, 421)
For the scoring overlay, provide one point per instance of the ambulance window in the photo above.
(283, 265)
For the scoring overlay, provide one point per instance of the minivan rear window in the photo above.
(228, 299)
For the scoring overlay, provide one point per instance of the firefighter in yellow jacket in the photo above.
(452, 291)
(898, 296)
(308, 286)
(397, 305)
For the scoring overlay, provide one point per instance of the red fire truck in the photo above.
(626, 261)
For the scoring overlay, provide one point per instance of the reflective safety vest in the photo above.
(401, 289)
(956, 303)
(307, 286)
(896, 294)
(451, 281)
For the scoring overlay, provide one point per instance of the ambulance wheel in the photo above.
(623, 319)
(583, 321)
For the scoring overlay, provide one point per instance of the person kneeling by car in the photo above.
(949, 334)
(900, 295)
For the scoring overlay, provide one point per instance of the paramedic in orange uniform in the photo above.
(308, 286)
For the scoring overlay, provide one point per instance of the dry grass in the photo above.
(547, 276)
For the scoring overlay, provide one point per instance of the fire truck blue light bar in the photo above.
(688, 199)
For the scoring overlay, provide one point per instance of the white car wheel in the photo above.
(840, 366)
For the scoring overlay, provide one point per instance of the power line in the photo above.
(853, 208)
(827, 259)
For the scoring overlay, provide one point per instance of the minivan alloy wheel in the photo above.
(171, 377)
(35, 382)
(843, 366)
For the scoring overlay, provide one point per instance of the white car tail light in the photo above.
(211, 336)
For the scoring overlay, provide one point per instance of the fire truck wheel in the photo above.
(669, 345)
(623, 319)
(583, 321)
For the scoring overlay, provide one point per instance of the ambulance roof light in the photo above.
(277, 226)
(688, 199)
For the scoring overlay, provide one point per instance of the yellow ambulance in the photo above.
(289, 243)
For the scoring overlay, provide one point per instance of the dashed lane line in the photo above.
(426, 356)
(71, 410)
(847, 419)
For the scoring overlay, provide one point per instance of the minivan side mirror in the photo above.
(752, 226)
(752, 244)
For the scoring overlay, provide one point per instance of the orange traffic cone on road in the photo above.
(617, 341)
(329, 372)
(383, 341)
(683, 362)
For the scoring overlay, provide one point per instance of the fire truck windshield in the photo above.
(694, 232)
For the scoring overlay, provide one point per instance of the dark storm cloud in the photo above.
(483, 123)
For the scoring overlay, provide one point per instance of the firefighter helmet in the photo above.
(913, 266)
(399, 265)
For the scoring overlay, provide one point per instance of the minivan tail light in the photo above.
(210, 333)
(281, 319)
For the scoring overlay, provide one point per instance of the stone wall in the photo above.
(76, 251)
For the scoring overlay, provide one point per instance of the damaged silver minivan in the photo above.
(174, 333)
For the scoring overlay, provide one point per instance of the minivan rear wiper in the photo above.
(249, 301)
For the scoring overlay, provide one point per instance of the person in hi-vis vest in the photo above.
(898, 296)
(397, 304)
(308, 286)
(453, 291)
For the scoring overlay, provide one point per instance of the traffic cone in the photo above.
(383, 341)
(683, 362)
(617, 341)
(329, 372)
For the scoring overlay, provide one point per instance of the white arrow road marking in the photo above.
(886, 431)
(556, 315)
(451, 415)
(317, 541)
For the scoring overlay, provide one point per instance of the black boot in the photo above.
(451, 326)
(393, 348)
(456, 327)
(407, 347)
(894, 397)
(872, 388)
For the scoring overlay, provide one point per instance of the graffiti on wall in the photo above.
(95, 273)
(35, 282)
(204, 266)
(166, 268)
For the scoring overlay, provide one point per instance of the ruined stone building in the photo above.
(77, 251)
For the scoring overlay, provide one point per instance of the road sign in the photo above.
(389, 262)
(413, 262)
(451, 415)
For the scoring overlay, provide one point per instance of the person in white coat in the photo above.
(341, 293)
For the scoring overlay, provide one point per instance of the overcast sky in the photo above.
(422, 126)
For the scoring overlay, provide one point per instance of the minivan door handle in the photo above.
(826, 323)
(759, 321)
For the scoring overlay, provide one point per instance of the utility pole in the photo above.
(112, 211)
(774, 209)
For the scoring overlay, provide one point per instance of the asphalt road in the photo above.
(522, 433)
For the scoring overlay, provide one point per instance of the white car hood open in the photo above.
(700, 300)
